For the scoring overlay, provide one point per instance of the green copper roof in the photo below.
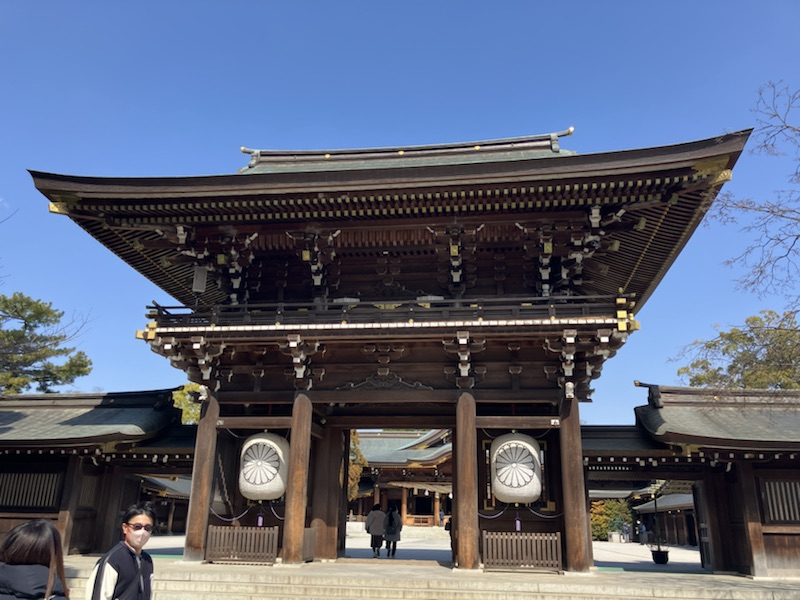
(503, 150)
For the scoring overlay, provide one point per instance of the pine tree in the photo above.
(32, 335)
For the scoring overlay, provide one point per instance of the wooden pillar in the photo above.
(576, 517)
(110, 532)
(297, 485)
(437, 505)
(753, 528)
(376, 495)
(69, 501)
(327, 491)
(453, 501)
(171, 516)
(403, 504)
(466, 490)
(343, 493)
(205, 455)
(709, 523)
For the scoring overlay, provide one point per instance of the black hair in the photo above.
(142, 508)
(36, 542)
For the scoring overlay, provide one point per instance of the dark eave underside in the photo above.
(662, 192)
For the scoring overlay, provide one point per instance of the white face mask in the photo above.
(137, 539)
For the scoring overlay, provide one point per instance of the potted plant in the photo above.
(660, 554)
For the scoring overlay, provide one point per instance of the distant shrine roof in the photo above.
(725, 419)
(81, 419)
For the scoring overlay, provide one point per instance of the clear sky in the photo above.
(154, 88)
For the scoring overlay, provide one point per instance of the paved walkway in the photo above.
(424, 553)
(432, 544)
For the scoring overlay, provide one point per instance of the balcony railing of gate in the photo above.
(354, 311)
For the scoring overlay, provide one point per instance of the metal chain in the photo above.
(226, 497)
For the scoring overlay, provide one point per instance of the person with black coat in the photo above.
(32, 563)
(126, 572)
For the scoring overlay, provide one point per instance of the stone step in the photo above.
(238, 583)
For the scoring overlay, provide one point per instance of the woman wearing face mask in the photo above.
(126, 572)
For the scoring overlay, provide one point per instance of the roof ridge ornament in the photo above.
(535, 145)
(653, 393)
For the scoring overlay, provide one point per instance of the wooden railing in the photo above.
(242, 544)
(354, 310)
(516, 550)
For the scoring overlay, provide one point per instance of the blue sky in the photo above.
(175, 88)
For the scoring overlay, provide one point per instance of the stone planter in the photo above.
(660, 557)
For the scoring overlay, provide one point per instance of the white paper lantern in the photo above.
(516, 468)
(264, 469)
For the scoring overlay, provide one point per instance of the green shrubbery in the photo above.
(609, 515)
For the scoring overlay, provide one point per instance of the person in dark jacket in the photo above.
(32, 563)
(126, 572)
(391, 531)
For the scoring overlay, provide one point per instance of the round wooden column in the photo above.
(403, 504)
(577, 536)
(297, 485)
(466, 490)
(205, 458)
(327, 493)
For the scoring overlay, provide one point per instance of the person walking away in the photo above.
(391, 533)
(32, 563)
(126, 572)
(374, 527)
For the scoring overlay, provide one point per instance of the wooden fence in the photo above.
(309, 544)
(516, 550)
(254, 545)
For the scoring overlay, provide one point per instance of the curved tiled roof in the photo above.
(647, 202)
(725, 419)
(79, 420)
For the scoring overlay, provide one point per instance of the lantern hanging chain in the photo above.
(229, 519)
(226, 497)
(542, 516)
(277, 516)
(497, 516)
(220, 477)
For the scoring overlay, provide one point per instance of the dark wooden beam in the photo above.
(537, 396)
(264, 423)
(392, 422)
(636, 473)
(518, 422)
